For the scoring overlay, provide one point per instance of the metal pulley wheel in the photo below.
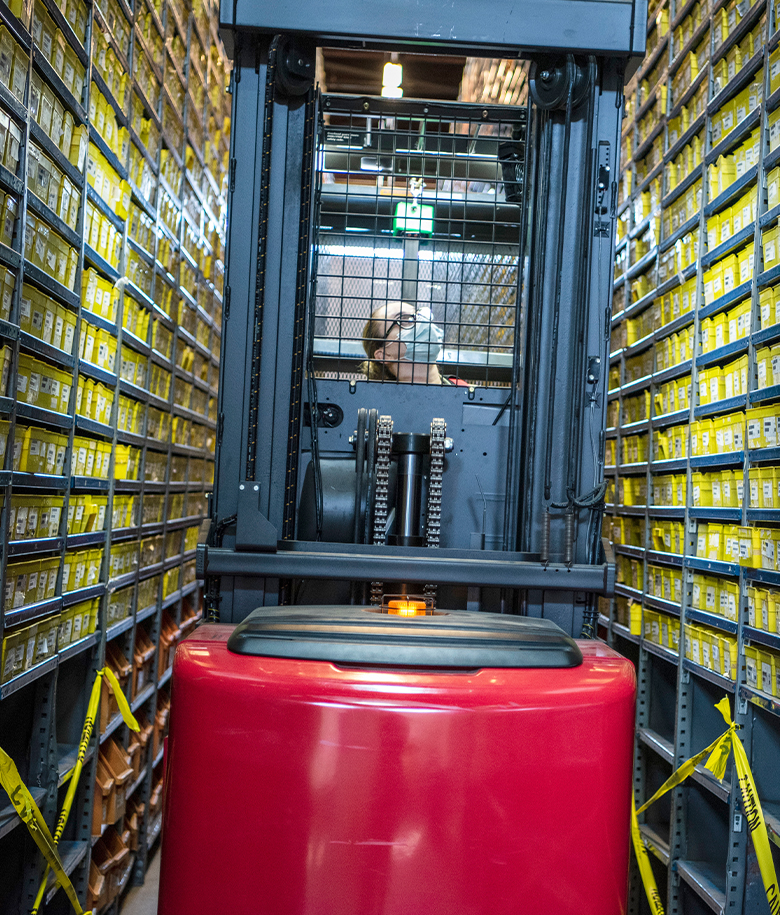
(550, 78)
(294, 65)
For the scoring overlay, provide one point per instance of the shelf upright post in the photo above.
(139, 866)
(15, 317)
(678, 845)
(737, 889)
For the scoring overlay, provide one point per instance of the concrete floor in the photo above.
(142, 900)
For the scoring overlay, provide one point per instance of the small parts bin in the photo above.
(112, 780)
(190, 615)
(97, 888)
(134, 817)
(121, 667)
(161, 721)
(117, 762)
(170, 636)
(155, 799)
(143, 655)
(113, 862)
(146, 730)
(134, 754)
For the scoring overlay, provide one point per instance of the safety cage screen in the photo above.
(418, 203)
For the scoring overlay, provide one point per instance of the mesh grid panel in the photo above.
(459, 257)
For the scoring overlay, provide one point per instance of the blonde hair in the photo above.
(374, 334)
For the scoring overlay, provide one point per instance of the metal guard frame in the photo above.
(493, 568)
(482, 28)
(269, 259)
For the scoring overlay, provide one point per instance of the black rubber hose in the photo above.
(557, 309)
(542, 138)
(360, 457)
(511, 506)
(582, 233)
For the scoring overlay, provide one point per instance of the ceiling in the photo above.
(426, 76)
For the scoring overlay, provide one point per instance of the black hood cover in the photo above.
(364, 636)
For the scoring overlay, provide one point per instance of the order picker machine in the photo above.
(399, 705)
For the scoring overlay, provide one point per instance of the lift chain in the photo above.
(435, 480)
(384, 446)
(435, 476)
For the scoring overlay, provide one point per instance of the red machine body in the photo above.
(299, 787)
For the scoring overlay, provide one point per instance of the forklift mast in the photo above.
(484, 492)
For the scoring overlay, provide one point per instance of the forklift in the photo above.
(398, 703)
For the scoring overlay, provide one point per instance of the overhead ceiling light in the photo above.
(391, 80)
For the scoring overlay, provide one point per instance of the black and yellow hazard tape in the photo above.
(717, 755)
(28, 810)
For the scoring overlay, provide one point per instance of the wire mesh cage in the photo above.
(417, 274)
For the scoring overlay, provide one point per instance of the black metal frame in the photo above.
(480, 27)
(487, 568)
(261, 366)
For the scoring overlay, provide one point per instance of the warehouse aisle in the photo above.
(142, 900)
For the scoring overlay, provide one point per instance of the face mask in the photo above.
(423, 340)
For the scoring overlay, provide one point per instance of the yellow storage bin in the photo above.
(21, 585)
(768, 665)
(752, 668)
(728, 656)
(754, 488)
(764, 367)
(757, 605)
(762, 427)
(769, 246)
(769, 540)
(47, 578)
(735, 378)
(730, 271)
(739, 322)
(769, 618)
(46, 638)
(94, 562)
(18, 651)
(750, 547)
(715, 542)
(635, 618)
(768, 494)
(65, 629)
(702, 489)
(729, 599)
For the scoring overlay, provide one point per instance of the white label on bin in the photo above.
(21, 521)
(770, 430)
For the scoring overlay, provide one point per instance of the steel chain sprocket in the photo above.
(384, 446)
(435, 481)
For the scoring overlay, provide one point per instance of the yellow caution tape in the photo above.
(754, 814)
(27, 808)
(716, 762)
(717, 754)
(31, 816)
(645, 870)
(121, 700)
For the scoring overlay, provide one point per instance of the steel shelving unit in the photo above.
(168, 77)
(700, 60)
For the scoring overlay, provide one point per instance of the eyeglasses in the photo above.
(404, 322)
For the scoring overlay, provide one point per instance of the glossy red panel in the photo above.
(297, 788)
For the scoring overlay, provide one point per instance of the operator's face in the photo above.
(390, 321)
